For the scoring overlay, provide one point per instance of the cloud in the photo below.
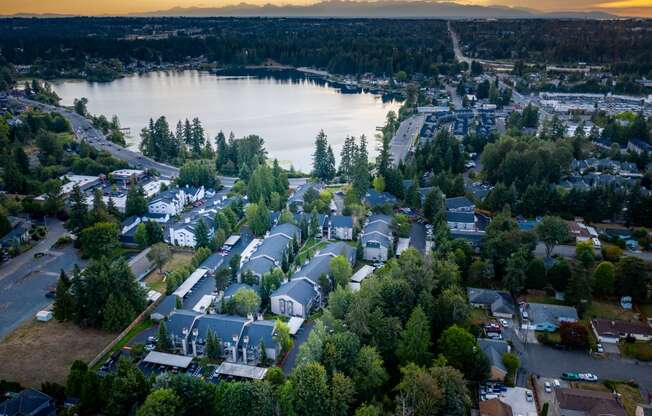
(622, 4)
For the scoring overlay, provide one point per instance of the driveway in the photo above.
(418, 237)
(300, 338)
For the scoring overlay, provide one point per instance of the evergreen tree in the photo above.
(78, 211)
(414, 344)
(136, 202)
(163, 340)
(314, 224)
(202, 238)
(117, 313)
(320, 159)
(63, 299)
(361, 169)
(213, 346)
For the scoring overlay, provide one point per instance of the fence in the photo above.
(140, 318)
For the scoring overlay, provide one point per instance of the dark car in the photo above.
(50, 294)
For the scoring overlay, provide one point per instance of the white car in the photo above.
(599, 348)
(504, 322)
(588, 377)
(556, 383)
(528, 396)
(547, 387)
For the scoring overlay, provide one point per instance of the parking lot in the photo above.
(545, 393)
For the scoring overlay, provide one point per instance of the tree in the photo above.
(213, 346)
(80, 106)
(163, 340)
(414, 344)
(342, 394)
(118, 313)
(269, 282)
(198, 173)
(161, 402)
(63, 301)
(283, 335)
(323, 158)
(159, 254)
(433, 205)
(514, 279)
(369, 374)
(535, 275)
(126, 390)
(202, 238)
(631, 278)
(245, 302)
(315, 229)
(584, 253)
(5, 225)
(99, 239)
(136, 202)
(574, 335)
(154, 232)
(341, 271)
(462, 352)
(450, 307)
(604, 278)
(361, 169)
(379, 184)
(309, 390)
(560, 274)
(511, 363)
(78, 210)
(552, 231)
(140, 236)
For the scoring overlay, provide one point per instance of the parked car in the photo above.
(528, 396)
(588, 377)
(547, 387)
(556, 383)
(599, 348)
(505, 323)
(570, 376)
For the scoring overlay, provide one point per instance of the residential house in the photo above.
(341, 227)
(377, 238)
(612, 331)
(494, 351)
(375, 199)
(273, 251)
(462, 221)
(499, 303)
(639, 146)
(29, 402)
(240, 337)
(296, 200)
(19, 233)
(459, 204)
(183, 233)
(546, 317)
(580, 402)
(170, 202)
(495, 407)
(295, 298)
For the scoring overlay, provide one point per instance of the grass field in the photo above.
(43, 351)
(155, 279)
(608, 310)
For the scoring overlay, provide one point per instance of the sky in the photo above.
(118, 7)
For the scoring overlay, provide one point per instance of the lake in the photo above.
(286, 108)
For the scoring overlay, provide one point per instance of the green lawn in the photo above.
(478, 316)
(608, 310)
(646, 310)
(128, 336)
(638, 350)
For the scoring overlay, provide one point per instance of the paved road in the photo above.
(300, 338)
(26, 259)
(459, 56)
(569, 251)
(22, 290)
(405, 137)
(84, 130)
(549, 362)
(418, 237)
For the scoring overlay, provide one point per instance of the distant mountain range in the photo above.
(372, 9)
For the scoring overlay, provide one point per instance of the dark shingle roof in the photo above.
(28, 402)
(259, 331)
(298, 289)
(465, 217)
(342, 221)
(458, 202)
(494, 350)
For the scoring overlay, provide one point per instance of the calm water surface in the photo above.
(287, 113)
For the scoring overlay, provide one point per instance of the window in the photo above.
(282, 305)
(290, 308)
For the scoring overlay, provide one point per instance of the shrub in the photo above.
(611, 253)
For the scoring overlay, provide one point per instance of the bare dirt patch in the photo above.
(43, 351)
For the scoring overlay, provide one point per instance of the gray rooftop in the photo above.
(298, 289)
